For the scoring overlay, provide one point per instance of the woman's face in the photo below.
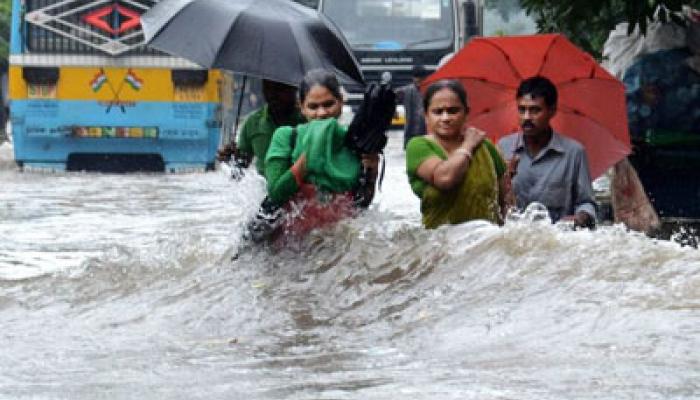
(320, 103)
(446, 114)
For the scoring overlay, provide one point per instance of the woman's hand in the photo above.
(224, 154)
(300, 164)
(299, 169)
(512, 166)
(364, 193)
(370, 161)
(471, 138)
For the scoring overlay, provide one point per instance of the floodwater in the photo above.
(126, 287)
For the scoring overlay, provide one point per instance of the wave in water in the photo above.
(368, 309)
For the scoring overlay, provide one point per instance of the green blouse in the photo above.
(476, 197)
(256, 134)
(330, 165)
(422, 148)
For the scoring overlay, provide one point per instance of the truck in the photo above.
(394, 35)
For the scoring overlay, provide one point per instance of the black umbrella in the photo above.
(278, 40)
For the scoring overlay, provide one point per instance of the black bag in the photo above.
(367, 131)
(265, 222)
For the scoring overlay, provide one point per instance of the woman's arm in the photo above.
(283, 177)
(281, 182)
(446, 174)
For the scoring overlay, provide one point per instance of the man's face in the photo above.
(280, 98)
(534, 114)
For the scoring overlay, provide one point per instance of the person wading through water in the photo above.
(458, 174)
(256, 133)
(312, 171)
(547, 167)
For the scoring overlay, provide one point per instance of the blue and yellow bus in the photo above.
(86, 94)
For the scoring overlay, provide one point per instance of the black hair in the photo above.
(454, 85)
(419, 71)
(538, 86)
(319, 77)
(275, 85)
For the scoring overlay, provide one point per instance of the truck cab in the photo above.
(394, 35)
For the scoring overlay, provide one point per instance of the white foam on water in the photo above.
(137, 286)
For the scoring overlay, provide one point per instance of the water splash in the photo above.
(127, 285)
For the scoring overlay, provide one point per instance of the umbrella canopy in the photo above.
(591, 106)
(278, 40)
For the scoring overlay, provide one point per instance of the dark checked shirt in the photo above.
(557, 177)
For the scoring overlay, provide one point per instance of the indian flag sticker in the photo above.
(109, 131)
(80, 131)
(134, 81)
(95, 131)
(136, 132)
(98, 80)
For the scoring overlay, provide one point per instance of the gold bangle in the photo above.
(464, 151)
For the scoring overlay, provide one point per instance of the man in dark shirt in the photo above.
(547, 167)
(412, 101)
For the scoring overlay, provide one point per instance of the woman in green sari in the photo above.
(310, 170)
(457, 173)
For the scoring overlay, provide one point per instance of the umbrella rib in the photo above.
(546, 55)
(576, 80)
(574, 111)
(507, 57)
(489, 110)
(484, 80)
(223, 42)
(301, 56)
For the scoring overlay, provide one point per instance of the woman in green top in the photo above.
(457, 173)
(309, 169)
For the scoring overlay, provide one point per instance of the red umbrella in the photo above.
(591, 106)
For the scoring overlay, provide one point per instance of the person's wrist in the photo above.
(584, 220)
(298, 174)
(464, 152)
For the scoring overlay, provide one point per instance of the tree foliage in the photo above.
(588, 22)
(5, 11)
(504, 7)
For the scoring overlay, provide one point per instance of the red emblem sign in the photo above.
(128, 19)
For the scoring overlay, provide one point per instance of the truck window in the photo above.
(393, 24)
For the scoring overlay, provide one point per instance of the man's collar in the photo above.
(265, 118)
(555, 143)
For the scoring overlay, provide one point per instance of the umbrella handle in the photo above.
(237, 164)
(238, 109)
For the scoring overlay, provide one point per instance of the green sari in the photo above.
(331, 166)
(476, 197)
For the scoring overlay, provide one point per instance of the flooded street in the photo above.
(126, 287)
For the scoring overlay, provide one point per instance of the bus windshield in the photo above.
(393, 24)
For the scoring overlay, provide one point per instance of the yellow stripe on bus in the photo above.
(115, 84)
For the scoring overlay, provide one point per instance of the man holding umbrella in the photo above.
(254, 139)
(277, 40)
(547, 167)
